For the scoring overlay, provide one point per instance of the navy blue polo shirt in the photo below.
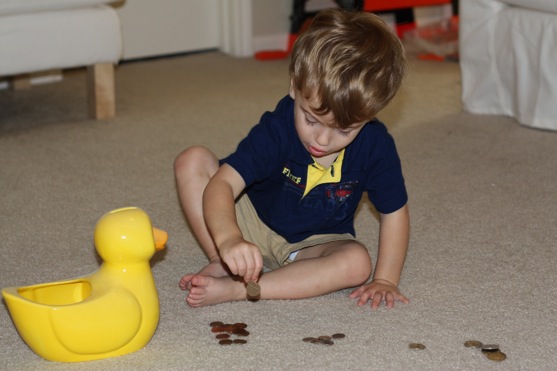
(274, 165)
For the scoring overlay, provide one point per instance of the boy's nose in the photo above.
(323, 136)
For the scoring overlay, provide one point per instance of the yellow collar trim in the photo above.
(318, 174)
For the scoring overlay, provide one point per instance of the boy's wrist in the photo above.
(384, 281)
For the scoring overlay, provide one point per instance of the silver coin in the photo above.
(490, 347)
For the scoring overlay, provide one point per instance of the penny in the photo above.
(338, 336)
(253, 289)
(222, 336)
(225, 342)
(216, 323)
(240, 325)
(324, 337)
(240, 341)
(217, 329)
(240, 332)
(495, 355)
(228, 328)
(473, 344)
(309, 339)
(416, 346)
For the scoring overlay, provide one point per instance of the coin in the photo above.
(338, 336)
(240, 325)
(490, 347)
(225, 342)
(473, 344)
(216, 323)
(253, 289)
(309, 339)
(495, 355)
(240, 341)
(222, 336)
(416, 346)
(218, 329)
(324, 337)
(240, 332)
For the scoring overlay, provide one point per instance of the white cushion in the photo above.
(59, 39)
(8, 7)
(507, 59)
(540, 5)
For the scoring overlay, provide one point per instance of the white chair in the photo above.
(40, 35)
(508, 59)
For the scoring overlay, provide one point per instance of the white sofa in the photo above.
(508, 59)
(39, 35)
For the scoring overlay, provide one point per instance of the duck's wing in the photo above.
(99, 324)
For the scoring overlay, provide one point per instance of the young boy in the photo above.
(299, 175)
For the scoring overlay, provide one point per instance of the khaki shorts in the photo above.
(274, 248)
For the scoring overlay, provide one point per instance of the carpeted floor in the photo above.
(483, 251)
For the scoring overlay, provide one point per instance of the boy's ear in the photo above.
(291, 91)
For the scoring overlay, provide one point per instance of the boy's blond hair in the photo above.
(351, 62)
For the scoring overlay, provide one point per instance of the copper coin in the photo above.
(327, 342)
(228, 328)
(416, 346)
(240, 325)
(338, 336)
(309, 339)
(253, 289)
(240, 341)
(473, 344)
(324, 337)
(218, 329)
(222, 336)
(225, 342)
(240, 332)
(495, 355)
(216, 323)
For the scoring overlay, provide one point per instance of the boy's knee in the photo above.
(191, 158)
(359, 264)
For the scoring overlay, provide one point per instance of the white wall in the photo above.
(162, 27)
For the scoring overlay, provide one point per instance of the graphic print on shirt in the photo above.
(338, 193)
(326, 200)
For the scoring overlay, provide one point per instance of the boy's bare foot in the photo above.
(207, 290)
(215, 268)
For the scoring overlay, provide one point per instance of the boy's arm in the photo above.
(242, 257)
(393, 245)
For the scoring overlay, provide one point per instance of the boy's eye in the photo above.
(310, 122)
(344, 132)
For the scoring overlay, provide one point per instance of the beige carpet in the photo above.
(483, 254)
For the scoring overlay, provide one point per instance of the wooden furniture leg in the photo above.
(20, 82)
(101, 91)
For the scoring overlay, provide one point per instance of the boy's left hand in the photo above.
(378, 291)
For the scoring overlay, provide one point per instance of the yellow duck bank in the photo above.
(111, 312)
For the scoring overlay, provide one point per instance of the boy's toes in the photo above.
(185, 282)
(200, 280)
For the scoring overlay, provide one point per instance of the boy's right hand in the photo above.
(242, 258)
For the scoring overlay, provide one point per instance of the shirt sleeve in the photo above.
(385, 182)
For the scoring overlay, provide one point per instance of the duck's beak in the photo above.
(160, 238)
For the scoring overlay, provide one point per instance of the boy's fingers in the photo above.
(376, 300)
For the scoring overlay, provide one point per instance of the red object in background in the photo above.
(301, 20)
(375, 6)
(277, 54)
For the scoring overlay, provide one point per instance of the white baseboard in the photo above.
(38, 78)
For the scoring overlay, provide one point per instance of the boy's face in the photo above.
(319, 133)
